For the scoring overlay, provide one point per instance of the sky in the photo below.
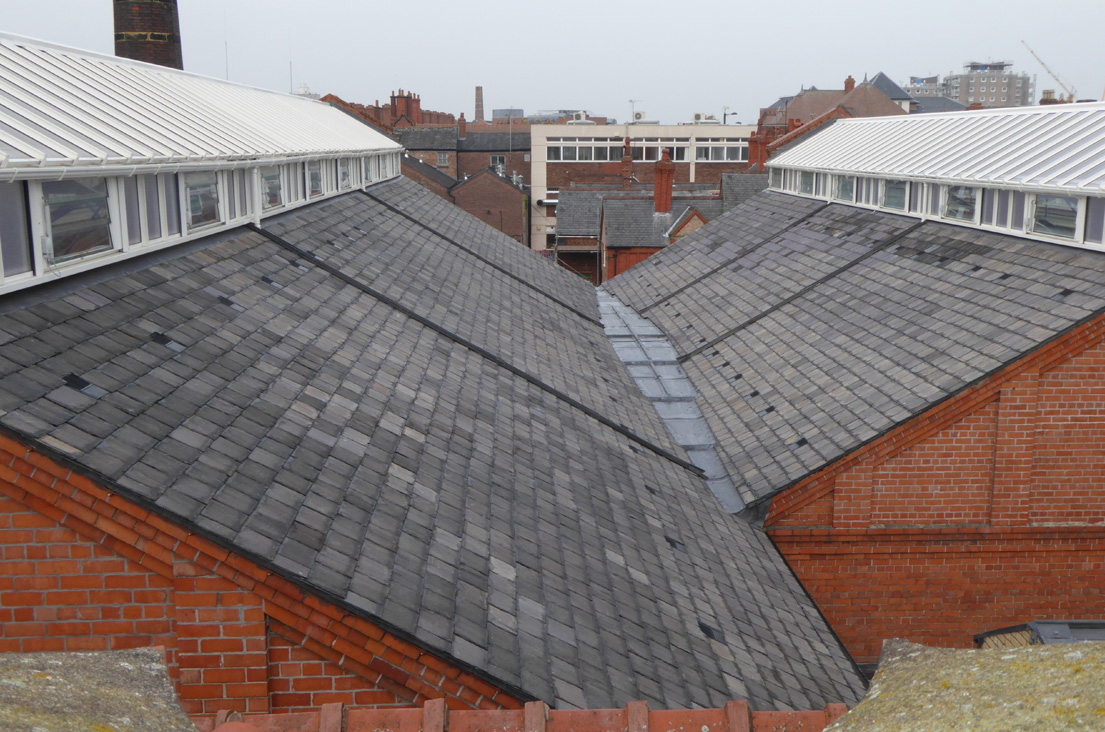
(672, 59)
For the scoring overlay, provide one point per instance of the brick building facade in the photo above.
(149, 31)
(979, 514)
(85, 569)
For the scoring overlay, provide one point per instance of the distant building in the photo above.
(991, 84)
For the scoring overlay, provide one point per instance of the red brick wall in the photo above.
(470, 163)
(87, 569)
(301, 680)
(148, 30)
(60, 592)
(495, 202)
(560, 175)
(985, 512)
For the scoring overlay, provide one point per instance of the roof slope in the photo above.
(809, 329)
(579, 213)
(353, 404)
(994, 147)
(66, 107)
(429, 138)
(889, 87)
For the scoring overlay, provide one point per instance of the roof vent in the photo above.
(712, 633)
(676, 544)
(164, 340)
(1063, 294)
(84, 386)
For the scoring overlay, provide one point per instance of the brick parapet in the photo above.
(199, 571)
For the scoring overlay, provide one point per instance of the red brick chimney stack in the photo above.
(479, 105)
(849, 84)
(665, 176)
(148, 30)
(462, 126)
(627, 167)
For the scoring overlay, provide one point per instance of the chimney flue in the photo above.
(148, 30)
(462, 127)
(627, 167)
(664, 177)
(479, 105)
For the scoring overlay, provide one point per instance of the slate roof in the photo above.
(579, 213)
(494, 142)
(933, 105)
(429, 138)
(346, 398)
(736, 188)
(635, 223)
(435, 174)
(809, 329)
(887, 86)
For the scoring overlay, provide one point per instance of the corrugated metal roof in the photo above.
(1060, 147)
(62, 107)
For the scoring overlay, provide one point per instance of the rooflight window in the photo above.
(916, 198)
(960, 203)
(844, 188)
(893, 194)
(345, 174)
(1095, 220)
(133, 209)
(201, 191)
(805, 184)
(272, 194)
(15, 239)
(1018, 211)
(171, 189)
(314, 177)
(77, 216)
(776, 178)
(988, 197)
(1055, 216)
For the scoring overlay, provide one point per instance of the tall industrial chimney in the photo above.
(148, 30)
(479, 105)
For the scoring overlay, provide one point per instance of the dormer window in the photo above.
(15, 238)
(77, 217)
(314, 179)
(1055, 216)
(959, 203)
(844, 188)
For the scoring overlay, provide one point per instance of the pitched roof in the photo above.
(932, 105)
(81, 110)
(504, 141)
(809, 329)
(344, 398)
(578, 213)
(868, 101)
(429, 138)
(887, 86)
(635, 223)
(435, 174)
(992, 147)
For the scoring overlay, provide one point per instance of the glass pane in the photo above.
(569, 153)
(202, 198)
(246, 183)
(680, 154)
(988, 206)
(601, 153)
(961, 203)
(893, 195)
(134, 215)
(1056, 216)
(314, 178)
(1095, 223)
(15, 240)
(806, 183)
(232, 194)
(844, 188)
(1002, 217)
(172, 202)
(915, 205)
(270, 188)
(934, 198)
(776, 178)
(1018, 210)
(584, 153)
(345, 174)
(554, 153)
(702, 153)
(79, 220)
(153, 206)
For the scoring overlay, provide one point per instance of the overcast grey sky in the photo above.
(676, 58)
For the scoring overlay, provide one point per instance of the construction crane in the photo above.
(1070, 90)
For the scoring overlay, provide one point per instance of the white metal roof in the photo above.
(1058, 147)
(61, 107)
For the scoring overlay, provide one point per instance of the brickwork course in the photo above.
(148, 30)
(914, 407)
(320, 462)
